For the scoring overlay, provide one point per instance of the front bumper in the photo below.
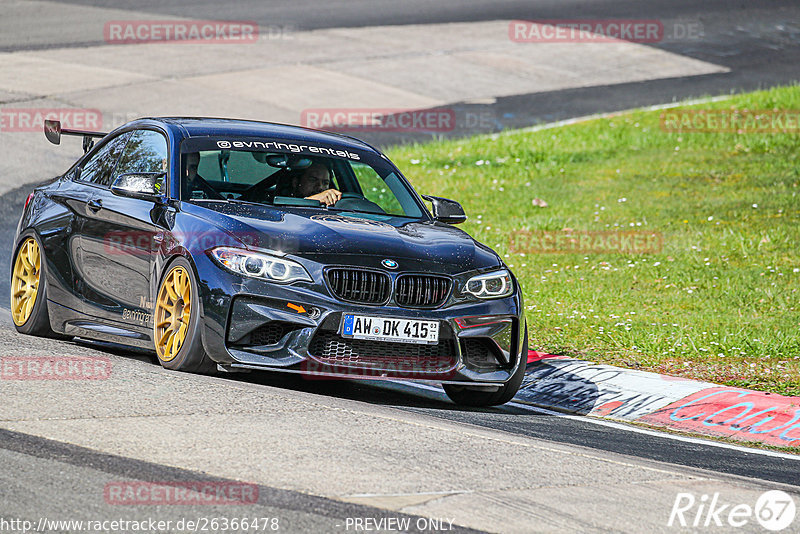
(251, 324)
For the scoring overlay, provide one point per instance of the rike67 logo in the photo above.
(774, 510)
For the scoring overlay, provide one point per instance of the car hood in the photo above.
(352, 239)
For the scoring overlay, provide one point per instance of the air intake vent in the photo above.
(271, 333)
(421, 290)
(358, 285)
(481, 353)
(330, 348)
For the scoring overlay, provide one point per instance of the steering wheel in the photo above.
(257, 191)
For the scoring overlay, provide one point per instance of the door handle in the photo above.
(95, 204)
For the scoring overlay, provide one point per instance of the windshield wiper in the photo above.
(297, 202)
(246, 202)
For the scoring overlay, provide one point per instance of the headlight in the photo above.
(259, 265)
(491, 285)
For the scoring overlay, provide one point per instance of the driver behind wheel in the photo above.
(315, 184)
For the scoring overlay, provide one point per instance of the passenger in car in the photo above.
(194, 185)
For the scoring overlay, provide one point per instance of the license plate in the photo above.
(389, 329)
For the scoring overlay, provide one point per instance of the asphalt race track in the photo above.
(342, 456)
(323, 451)
(757, 41)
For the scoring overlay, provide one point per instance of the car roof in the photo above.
(210, 126)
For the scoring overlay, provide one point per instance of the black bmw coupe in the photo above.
(228, 245)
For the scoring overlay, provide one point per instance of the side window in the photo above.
(146, 151)
(99, 168)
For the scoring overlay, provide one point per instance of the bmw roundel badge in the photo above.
(389, 264)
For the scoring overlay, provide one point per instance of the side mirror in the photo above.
(52, 131)
(446, 210)
(141, 185)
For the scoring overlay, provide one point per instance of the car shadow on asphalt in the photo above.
(378, 392)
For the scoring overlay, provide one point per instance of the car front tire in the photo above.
(176, 321)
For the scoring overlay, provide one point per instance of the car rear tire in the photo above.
(469, 396)
(176, 321)
(29, 290)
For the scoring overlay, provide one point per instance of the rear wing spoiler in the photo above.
(53, 132)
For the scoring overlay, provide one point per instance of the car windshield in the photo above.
(291, 179)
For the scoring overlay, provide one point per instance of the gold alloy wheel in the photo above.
(25, 281)
(173, 312)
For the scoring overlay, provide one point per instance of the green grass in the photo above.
(718, 302)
